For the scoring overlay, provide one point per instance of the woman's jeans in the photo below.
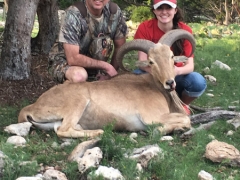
(192, 84)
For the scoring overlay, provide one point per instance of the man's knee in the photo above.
(76, 74)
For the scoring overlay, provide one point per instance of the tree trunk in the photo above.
(212, 116)
(227, 15)
(16, 51)
(235, 9)
(47, 12)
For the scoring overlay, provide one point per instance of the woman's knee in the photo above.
(200, 81)
(197, 85)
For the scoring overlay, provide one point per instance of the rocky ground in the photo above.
(15, 92)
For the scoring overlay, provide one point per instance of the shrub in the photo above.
(140, 13)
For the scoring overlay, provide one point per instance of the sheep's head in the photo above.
(160, 59)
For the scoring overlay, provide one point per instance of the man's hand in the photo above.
(107, 73)
(102, 77)
(110, 70)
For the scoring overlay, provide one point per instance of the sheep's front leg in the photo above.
(73, 133)
(174, 122)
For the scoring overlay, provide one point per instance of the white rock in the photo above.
(232, 108)
(2, 158)
(210, 94)
(235, 122)
(133, 136)
(39, 175)
(144, 154)
(230, 133)
(55, 145)
(91, 158)
(54, 174)
(16, 140)
(64, 144)
(139, 168)
(211, 78)
(29, 178)
(212, 137)
(107, 172)
(166, 138)
(81, 148)
(206, 70)
(221, 65)
(203, 175)
(20, 129)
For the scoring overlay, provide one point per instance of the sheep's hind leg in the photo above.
(70, 126)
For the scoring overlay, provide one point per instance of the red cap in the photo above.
(157, 3)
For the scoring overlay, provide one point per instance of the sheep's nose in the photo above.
(171, 84)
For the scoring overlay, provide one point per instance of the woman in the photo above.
(190, 85)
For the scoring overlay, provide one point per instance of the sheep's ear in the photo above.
(180, 59)
(142, 63)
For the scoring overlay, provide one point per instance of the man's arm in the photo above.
(117, 44)
(76, 59)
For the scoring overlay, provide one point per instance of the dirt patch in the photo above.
(15, 92)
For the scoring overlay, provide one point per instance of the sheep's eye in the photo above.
(150, 62)
(172, 56)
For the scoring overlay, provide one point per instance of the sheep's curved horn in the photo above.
(137, 44)
(144, 45)
(171, 36)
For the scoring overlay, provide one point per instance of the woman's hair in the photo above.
(177, 47)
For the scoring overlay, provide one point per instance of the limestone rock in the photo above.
(16, 140)
(109, 173)
(29, 178)
(91, 158)
(235, 122)
(203, 175)
(80, 149)
(221, 65)
(54, 174)
(211, 78)
(144, 154)
(2, 157)
(20, 129)
(166, 138)
(222, 152)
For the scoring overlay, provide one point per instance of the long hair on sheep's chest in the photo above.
(176, 103)
(173, 100)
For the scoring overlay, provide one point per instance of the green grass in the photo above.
(183, 159)
(226, 50)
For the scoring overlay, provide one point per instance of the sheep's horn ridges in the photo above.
(137, 45)
(144, 45)
(170, 37)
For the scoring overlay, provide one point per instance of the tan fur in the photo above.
(130, 101)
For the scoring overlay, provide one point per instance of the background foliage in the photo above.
(194, 10)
